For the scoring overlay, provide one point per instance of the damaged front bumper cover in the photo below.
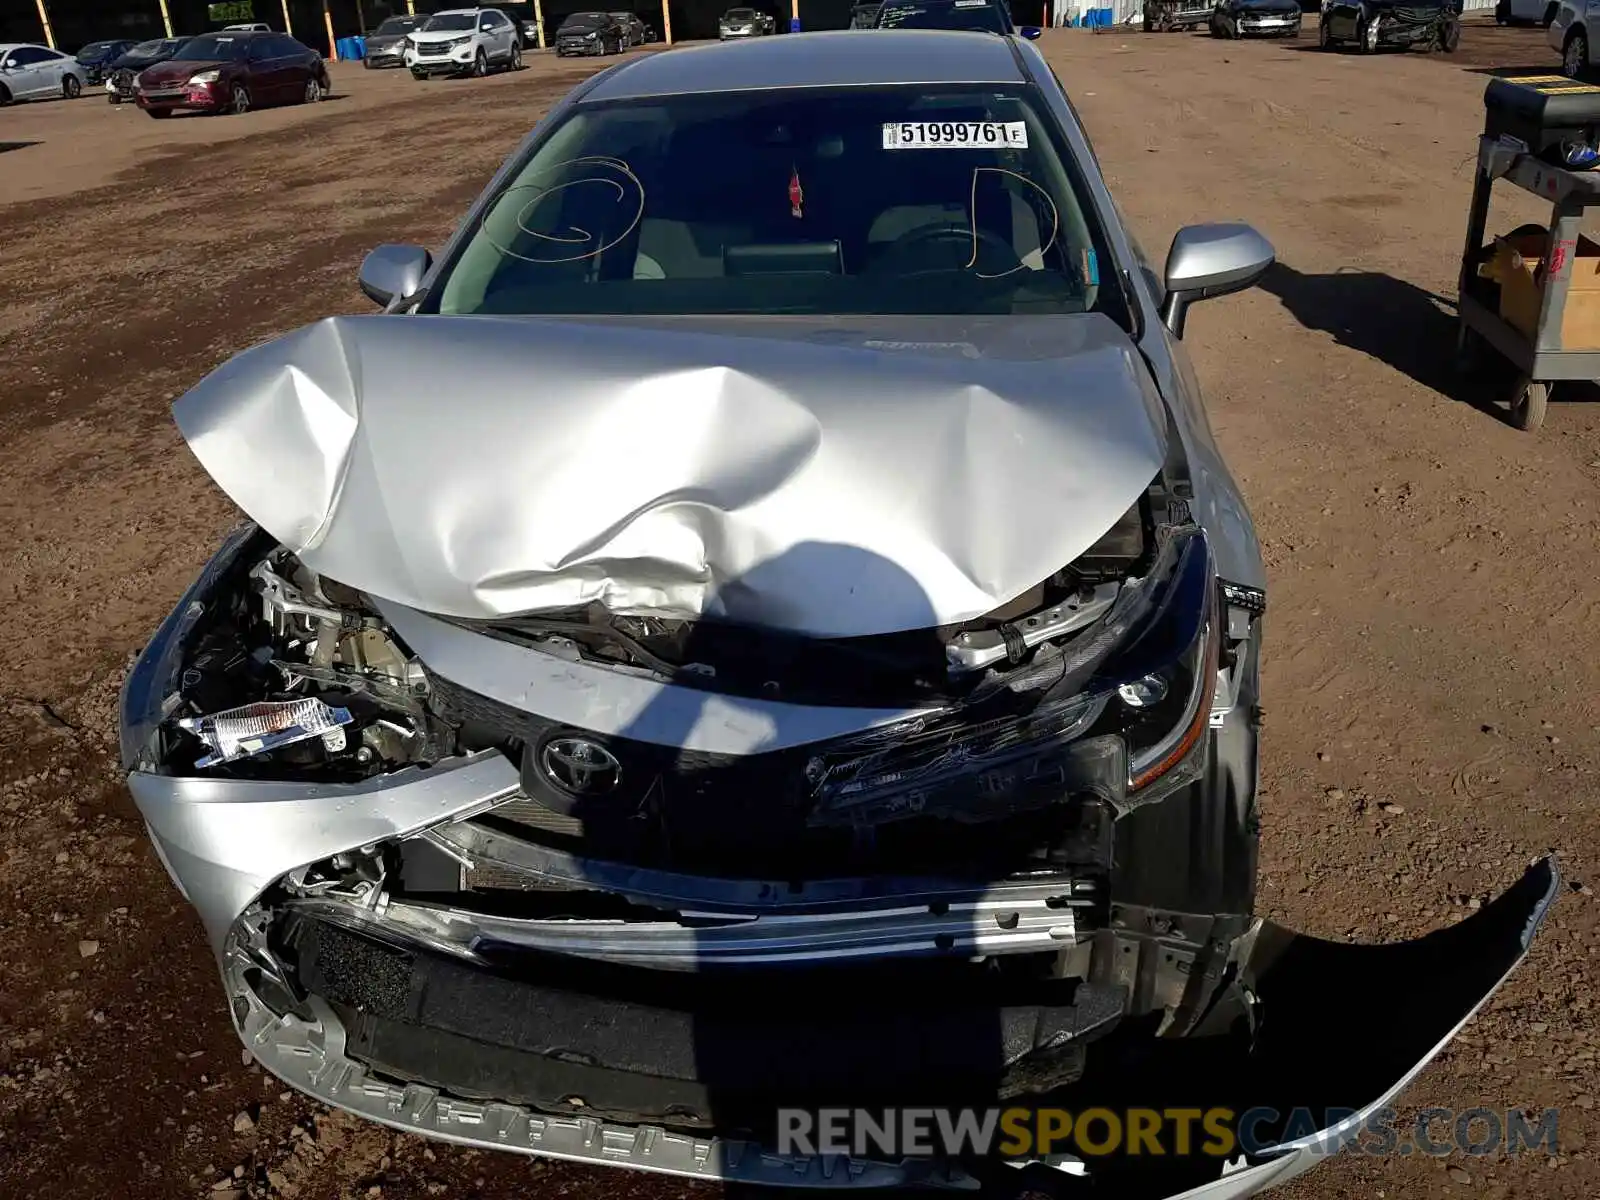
(1305, 988)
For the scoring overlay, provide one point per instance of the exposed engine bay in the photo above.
(978, 822)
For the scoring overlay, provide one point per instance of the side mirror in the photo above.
(393, 271)
(1211, 260)
(1031, 32)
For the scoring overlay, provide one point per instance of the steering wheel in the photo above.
(929, 237)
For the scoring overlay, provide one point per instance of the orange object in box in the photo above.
(1516, 265)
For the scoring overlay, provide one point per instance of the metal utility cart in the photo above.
(1542, 361)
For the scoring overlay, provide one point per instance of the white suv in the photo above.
(464, 41)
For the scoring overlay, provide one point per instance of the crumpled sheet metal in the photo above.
(838, 478)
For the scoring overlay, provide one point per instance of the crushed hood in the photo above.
(832, 477)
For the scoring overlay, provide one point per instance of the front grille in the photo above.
(749, 816)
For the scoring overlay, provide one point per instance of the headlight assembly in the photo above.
(1123, 716)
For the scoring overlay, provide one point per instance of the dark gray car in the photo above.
(632, 28)
(761, 622)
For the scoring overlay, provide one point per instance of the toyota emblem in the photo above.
(580, 767)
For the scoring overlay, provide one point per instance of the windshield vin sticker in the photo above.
(955, 135)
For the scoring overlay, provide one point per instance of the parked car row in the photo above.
(473, 41)
(1366, 25)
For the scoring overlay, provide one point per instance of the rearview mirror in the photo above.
(1031, 32)
(393, 271)
(1211, 260)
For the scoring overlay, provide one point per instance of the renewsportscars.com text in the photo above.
(1176, 1132)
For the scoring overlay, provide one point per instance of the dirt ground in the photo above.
(1433, 667)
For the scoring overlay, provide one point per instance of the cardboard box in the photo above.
(1516, 265)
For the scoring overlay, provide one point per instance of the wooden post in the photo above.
(287, 27)
(411, 8)
(538, 21)
(666, 21)
(166, 18)
(44, 19)
(327, 20)
(794, 16)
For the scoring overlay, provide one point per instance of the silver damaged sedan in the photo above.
(760, 622)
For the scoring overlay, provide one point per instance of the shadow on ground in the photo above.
(1518, 72)
(1408, 327)
(4, 146)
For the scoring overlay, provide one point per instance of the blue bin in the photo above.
(350, 49)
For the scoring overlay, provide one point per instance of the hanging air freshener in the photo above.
(796, 194)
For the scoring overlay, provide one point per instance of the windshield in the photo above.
(96, 49)
(584, 20)
(398, 25)
(961, 14)
(890, 200)
(215, 47)
(740, 14)
(448, 21)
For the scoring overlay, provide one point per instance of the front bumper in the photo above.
(729, 35)
(1270, 24)
(1410, 26)
(580, 48)
(208, 97)
(1306, 988)
(459, 63)
(1178, 14)
(386, 56)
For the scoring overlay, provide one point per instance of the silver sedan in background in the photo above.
(386, 45)
(31, 72)
(813, 658)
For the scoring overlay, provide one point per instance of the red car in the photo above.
(233, 72)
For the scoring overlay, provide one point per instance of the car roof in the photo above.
(4, 46)
(835, 58)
